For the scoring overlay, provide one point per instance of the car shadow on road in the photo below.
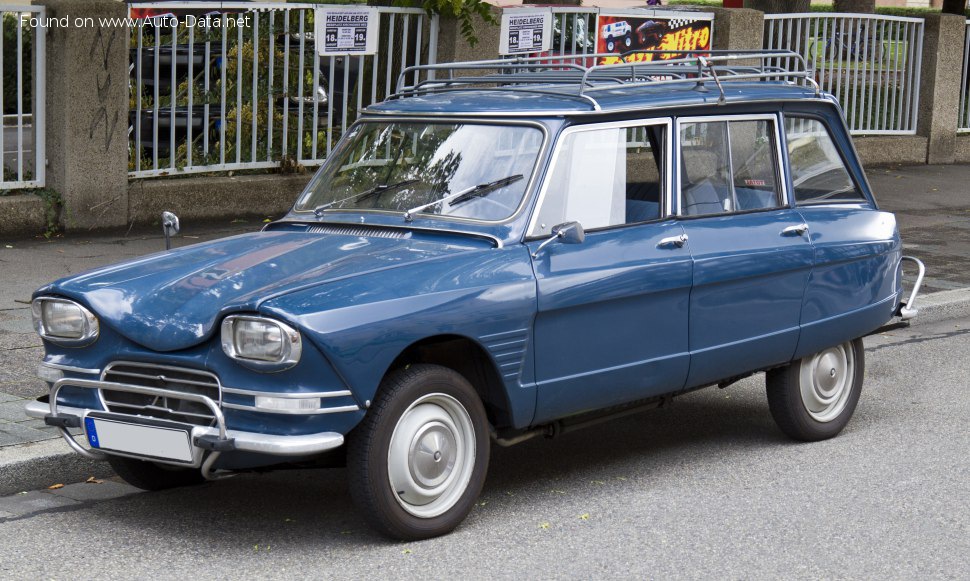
(293, 508)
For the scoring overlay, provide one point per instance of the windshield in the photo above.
(448, 169)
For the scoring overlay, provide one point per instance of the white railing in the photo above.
(227, 98)
(23, 77)
(870, 63)
(963, 122)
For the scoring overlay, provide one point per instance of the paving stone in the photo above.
(5, 397)
(33, 501)
(13, 411)
(89, 491)
(13, 433)
(6, 514)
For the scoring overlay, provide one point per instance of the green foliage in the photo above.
(464, 11)
(52, 210)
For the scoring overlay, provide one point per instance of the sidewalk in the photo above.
(932, 205)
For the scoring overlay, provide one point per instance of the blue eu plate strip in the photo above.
(91, 432)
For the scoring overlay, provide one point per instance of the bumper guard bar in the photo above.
(216, 439)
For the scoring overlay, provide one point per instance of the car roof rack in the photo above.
(639, 68)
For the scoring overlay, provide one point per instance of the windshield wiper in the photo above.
(378, 189)
(466, 194)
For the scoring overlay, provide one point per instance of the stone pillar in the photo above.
(939, 90)
(453, 47)
(87, 111)
(738, 29)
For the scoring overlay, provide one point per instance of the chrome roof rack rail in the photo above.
(639, 68)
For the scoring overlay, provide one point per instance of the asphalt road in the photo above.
(706, 488)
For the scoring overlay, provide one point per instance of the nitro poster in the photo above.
(622, 33)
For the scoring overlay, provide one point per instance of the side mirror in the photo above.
(170, 226)
(568, 233)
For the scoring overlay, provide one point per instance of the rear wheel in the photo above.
(152, 476)
(417, 462)
(814, 398)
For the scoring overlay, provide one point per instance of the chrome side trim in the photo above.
(71, 368)
(252, 408)
(288, 395)
(908, 311)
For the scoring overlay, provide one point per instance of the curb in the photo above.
(942, 305)
(41, 464)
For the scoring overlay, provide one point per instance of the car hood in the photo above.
(173, 300)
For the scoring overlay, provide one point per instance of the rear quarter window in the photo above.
(818, 173)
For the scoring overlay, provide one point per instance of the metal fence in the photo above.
(214, 97)
(22, 94)
(870, 63)
(963, 122)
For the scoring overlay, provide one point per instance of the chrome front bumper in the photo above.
(214, 439)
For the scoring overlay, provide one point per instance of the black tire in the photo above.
(427, 414)
(152, 476)
(813, 398)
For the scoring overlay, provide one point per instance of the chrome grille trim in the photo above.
(288, 395)
(252, 408)
(179, 389)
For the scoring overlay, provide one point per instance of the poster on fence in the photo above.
(627, 31)
(346, 31)
(525, 31)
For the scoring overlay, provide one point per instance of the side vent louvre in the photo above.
(367, 232)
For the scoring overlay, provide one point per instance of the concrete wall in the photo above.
(207, 198)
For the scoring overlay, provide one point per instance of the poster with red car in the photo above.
(621, 33)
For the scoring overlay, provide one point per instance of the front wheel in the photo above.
(417, 462)
(813, 398)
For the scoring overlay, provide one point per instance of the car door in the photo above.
(853, 287)
(752, 255)
(612, 313)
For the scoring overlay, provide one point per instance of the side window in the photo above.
(817, 171)
(605, 177)
(728, 166)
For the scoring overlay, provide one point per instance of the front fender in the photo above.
(363, 323)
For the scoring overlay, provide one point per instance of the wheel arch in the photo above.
(470, 359)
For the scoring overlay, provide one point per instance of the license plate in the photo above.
(167, 443)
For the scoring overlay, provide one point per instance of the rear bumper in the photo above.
(208, 442)
(907, 309)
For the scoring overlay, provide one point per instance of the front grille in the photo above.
(178, 379)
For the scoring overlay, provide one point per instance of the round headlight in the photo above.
(63, 321)
(261, 341)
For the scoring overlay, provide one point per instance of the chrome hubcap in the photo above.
(826, 382)
(431, 455)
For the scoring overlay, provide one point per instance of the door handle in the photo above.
(673, 242)
(796, 230)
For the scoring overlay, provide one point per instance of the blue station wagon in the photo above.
(510, 249)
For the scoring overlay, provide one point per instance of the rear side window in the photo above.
(728, 166)
(605, 177)
(817, 171)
